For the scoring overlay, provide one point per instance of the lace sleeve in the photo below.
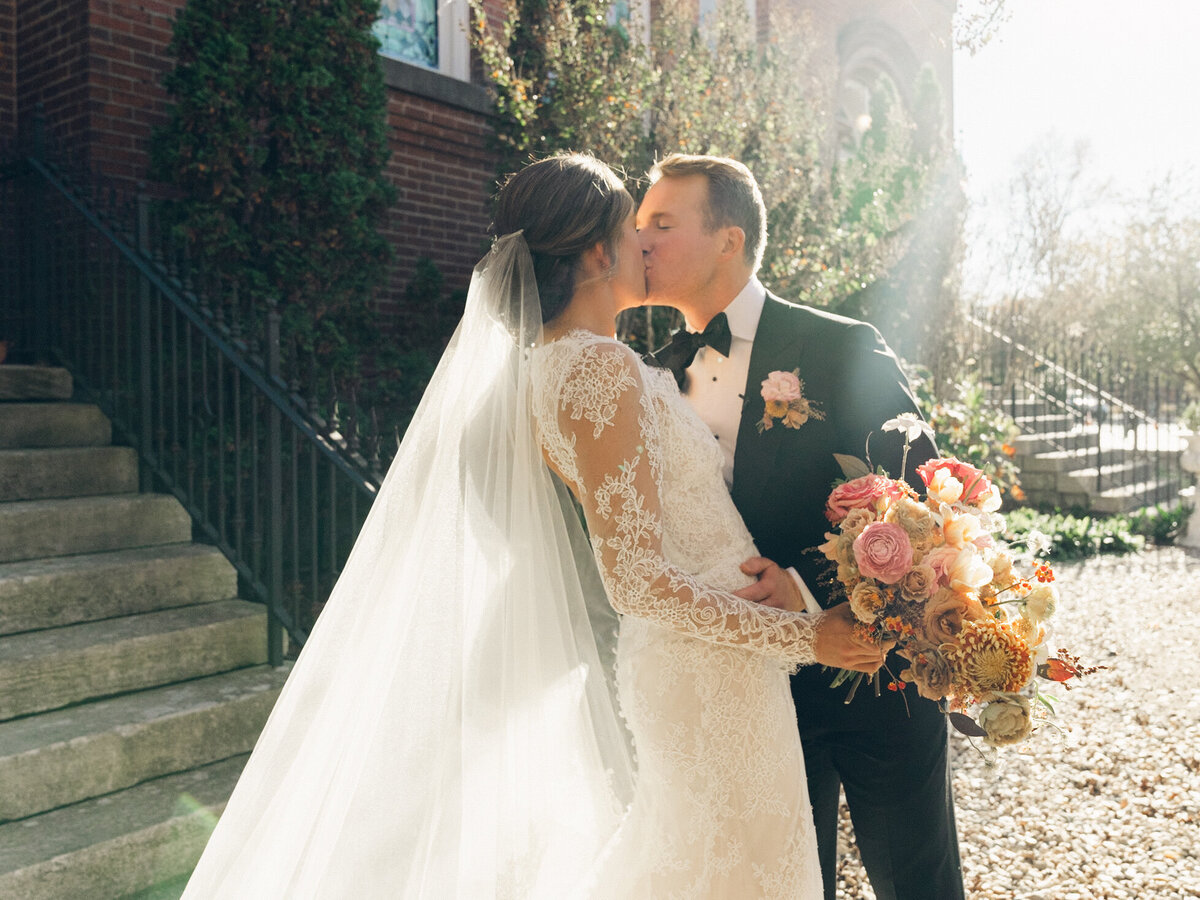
(605, 420)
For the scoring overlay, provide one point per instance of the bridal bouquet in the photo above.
(931, 575)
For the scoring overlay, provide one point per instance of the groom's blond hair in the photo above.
(733, 197)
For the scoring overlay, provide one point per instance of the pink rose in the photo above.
(859, 493)
(976, 486)
(883, 552)
(781, 387)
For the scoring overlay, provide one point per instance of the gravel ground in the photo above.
(1112, 809)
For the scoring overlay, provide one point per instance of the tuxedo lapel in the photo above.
(755, 454)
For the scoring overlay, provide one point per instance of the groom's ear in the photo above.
(733, 242)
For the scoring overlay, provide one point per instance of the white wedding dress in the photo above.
(720, 806)
(449, 731)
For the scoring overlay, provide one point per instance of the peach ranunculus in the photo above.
(976, 487)
(944, 487)
(883, 552)
(969, 572)
(859, 493)
(781, 387)
(960, 529)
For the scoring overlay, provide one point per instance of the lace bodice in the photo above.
(646, 472)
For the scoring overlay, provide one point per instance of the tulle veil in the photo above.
(450, 729)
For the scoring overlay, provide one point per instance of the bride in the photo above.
(469, 719)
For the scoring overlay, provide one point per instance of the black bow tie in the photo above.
(679, 352)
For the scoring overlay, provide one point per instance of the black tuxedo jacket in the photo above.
(782, 477)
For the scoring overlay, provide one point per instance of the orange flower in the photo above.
(1009, 449)
(988, 657)
(1044, 573)
(1057, 670)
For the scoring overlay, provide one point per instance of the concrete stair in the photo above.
(1090, 461)
(132, 679)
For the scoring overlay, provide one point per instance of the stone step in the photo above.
(53, 425)
(118, 845)
(46, 473)
(67, 590)
(62, 757)
(1130, 497)
(42, 670)
(33, 529)
(34, 383)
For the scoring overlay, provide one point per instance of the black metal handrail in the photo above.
(1094, 420)
(265, 476)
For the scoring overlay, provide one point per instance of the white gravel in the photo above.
(1111, 809)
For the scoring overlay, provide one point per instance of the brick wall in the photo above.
(8, 73)
(52, 52)
(445, 177)
(127, 59)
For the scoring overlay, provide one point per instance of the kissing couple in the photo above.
(564, 659)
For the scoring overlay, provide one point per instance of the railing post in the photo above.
(39, 321)
(145, 392)
(275, 488)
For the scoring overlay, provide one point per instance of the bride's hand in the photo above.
(774, 588)
(839, 645)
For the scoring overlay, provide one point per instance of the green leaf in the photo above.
(852, 466)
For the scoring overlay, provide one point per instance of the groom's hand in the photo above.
(838, 644)
(774, 587)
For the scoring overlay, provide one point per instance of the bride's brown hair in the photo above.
(565, 204)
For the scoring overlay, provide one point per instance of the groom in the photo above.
(702, 226)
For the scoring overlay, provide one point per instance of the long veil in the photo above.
(449, 729)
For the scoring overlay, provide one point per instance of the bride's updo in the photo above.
(564, 204)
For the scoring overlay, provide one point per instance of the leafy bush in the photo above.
(1070, 536)
(276, 140)
(568, 74)
(1161, 524)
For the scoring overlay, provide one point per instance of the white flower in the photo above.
(1041, 602)
(911, 424)
(1038, 543)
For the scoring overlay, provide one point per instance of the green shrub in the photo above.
(1071, 536)
(276, 139)
(1161, 524)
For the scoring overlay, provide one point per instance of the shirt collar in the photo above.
(745, 309)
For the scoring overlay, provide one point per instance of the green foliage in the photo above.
(1160, 524)
(1073, 536)
(969, 428)
(564, 78)
(1190, 417)
(277, 140)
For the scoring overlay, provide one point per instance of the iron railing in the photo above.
(1113, 426)
(195, 381)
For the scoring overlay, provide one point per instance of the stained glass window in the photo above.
(408, 30)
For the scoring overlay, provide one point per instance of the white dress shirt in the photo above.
(715, 385)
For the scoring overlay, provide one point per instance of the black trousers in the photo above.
(892, 764)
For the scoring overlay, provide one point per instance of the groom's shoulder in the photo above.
(820, 320)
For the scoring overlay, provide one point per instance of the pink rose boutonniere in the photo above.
(783, 396)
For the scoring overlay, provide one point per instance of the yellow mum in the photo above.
(988, 657)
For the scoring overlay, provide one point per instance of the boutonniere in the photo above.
(783, 394)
